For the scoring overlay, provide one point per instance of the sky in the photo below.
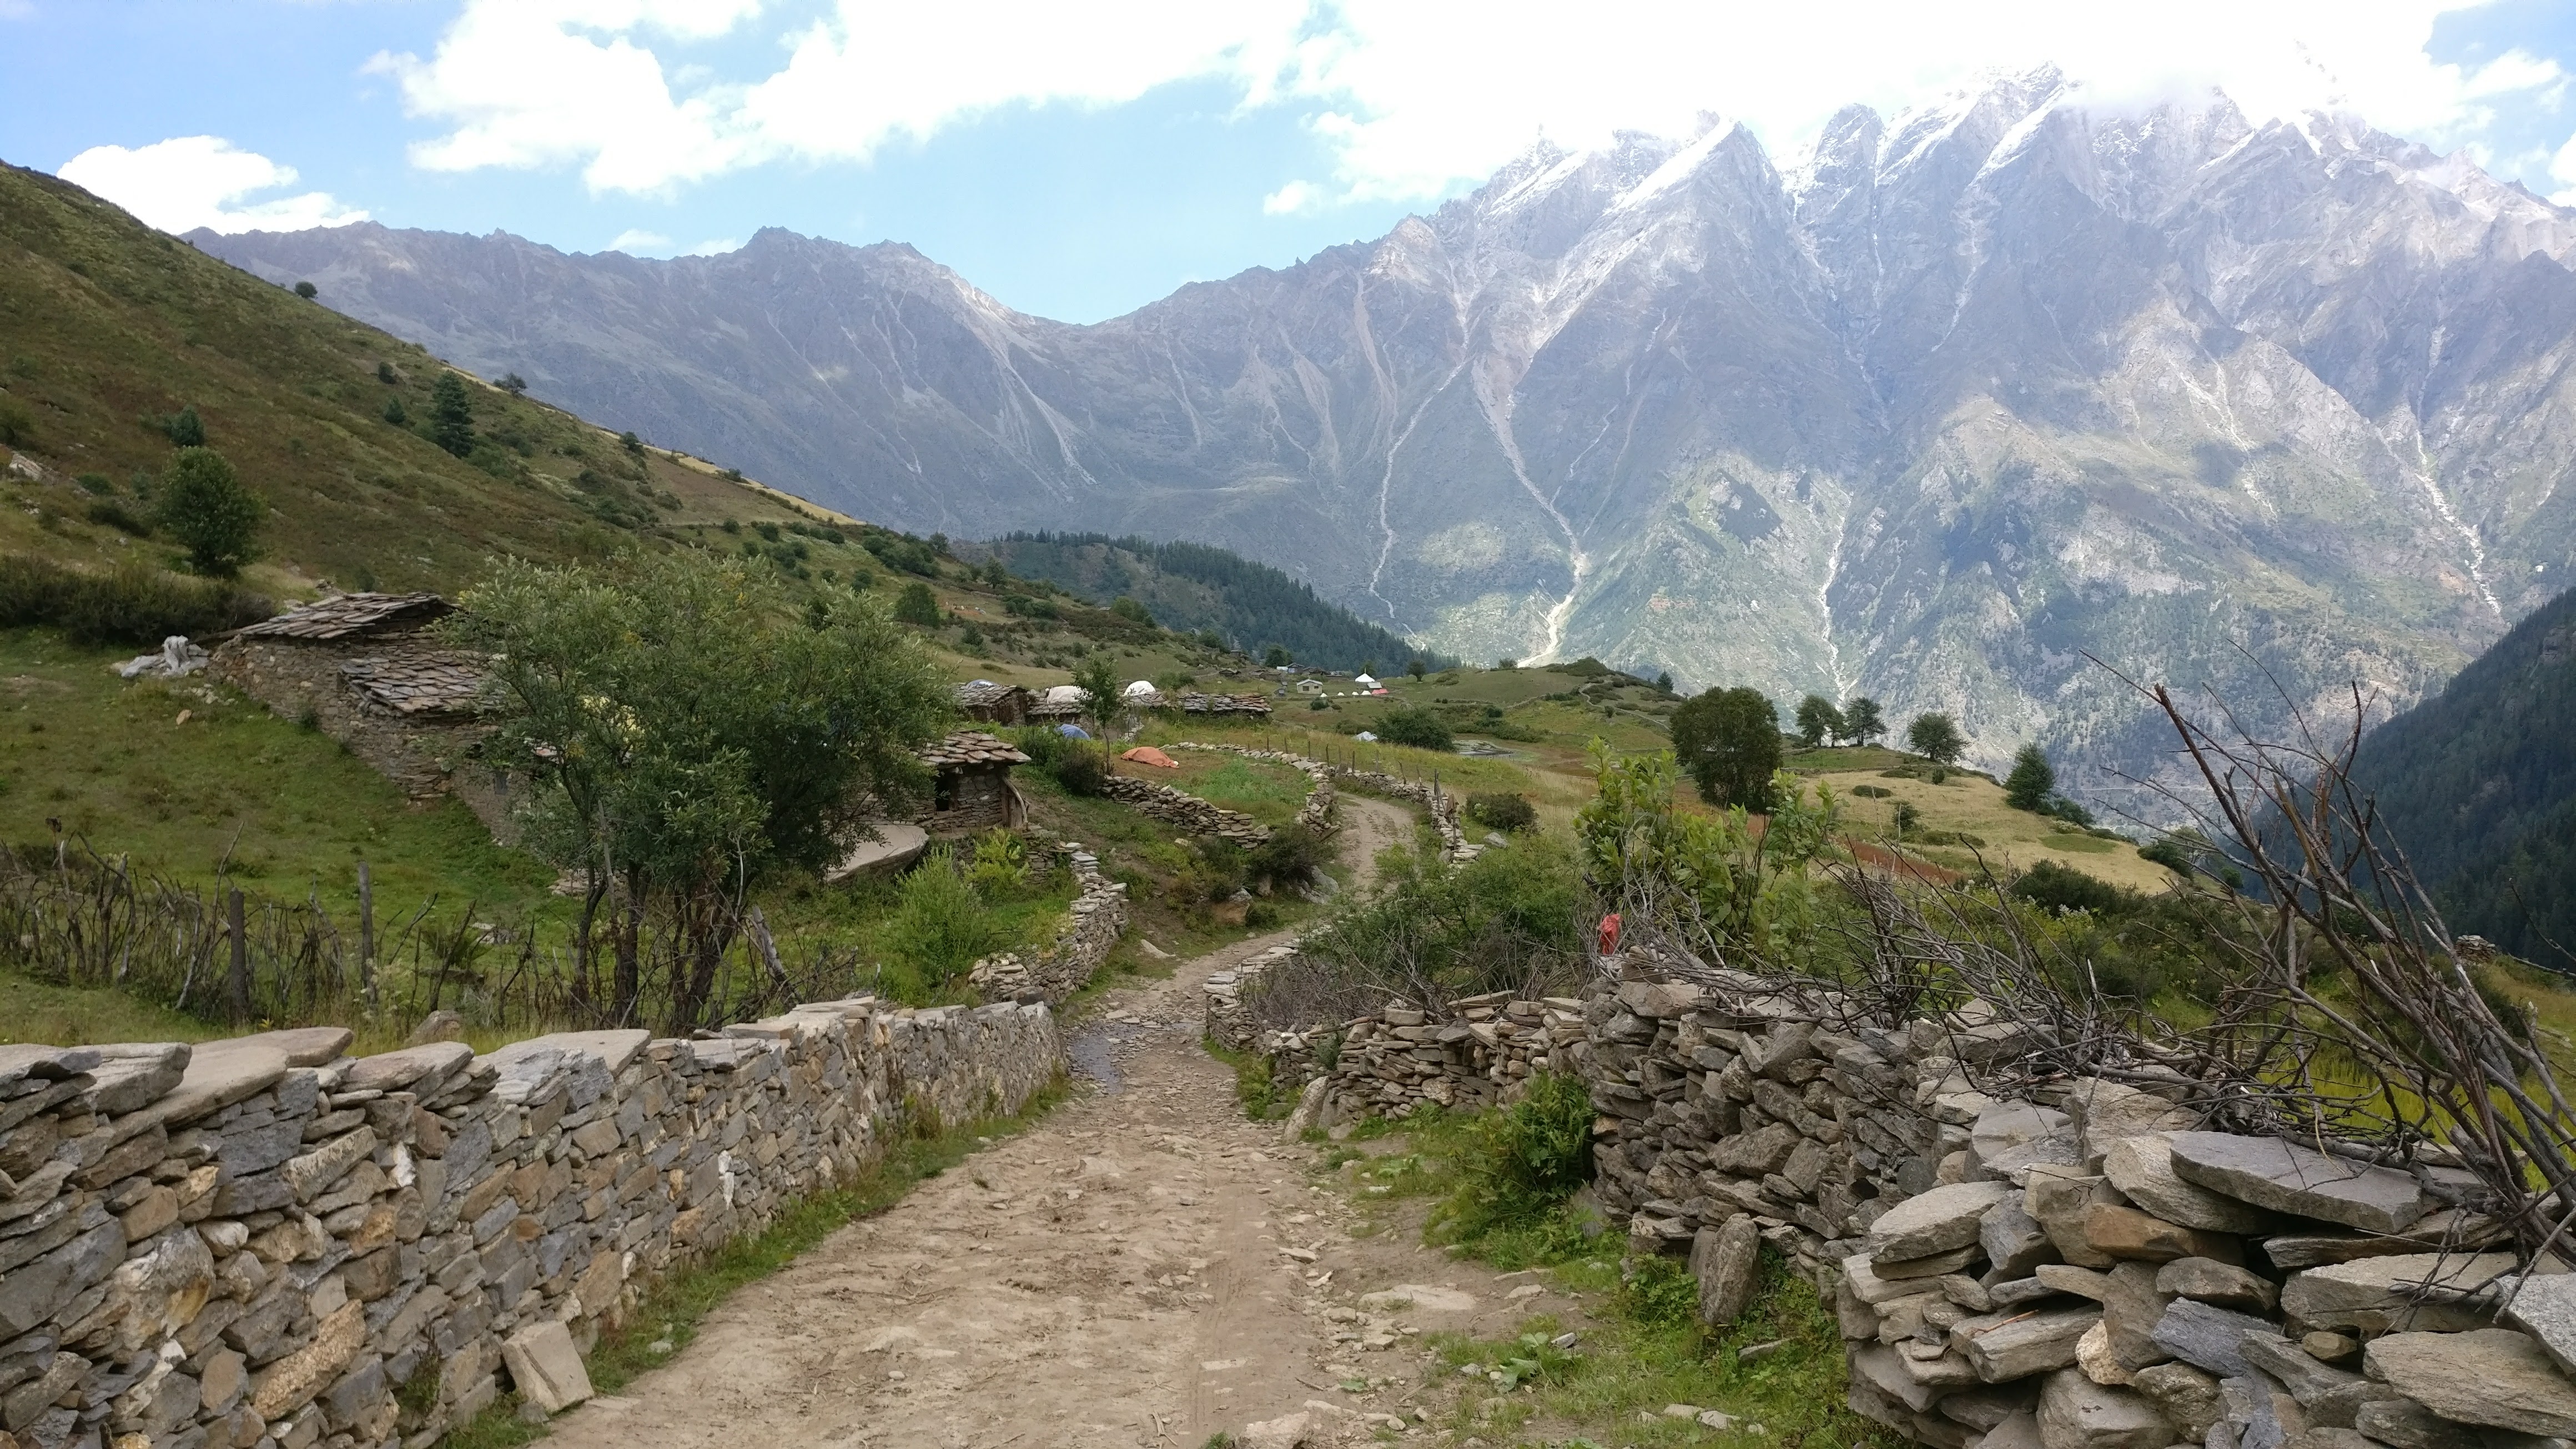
(1079, 160)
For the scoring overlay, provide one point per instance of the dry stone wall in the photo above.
(262, 1243)
(2076, 1266)
(1161, 802)
(1097, 919)
(1443, 805)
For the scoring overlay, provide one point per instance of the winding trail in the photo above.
(1144, 1267)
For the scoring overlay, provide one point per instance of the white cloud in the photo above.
(192, 181)
(713, 248)
(1292, 199)
(637, 242)
(1415, 97)
(2562, 167)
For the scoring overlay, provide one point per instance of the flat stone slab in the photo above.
(302, 1046)
(2490, 1376)
(2003, 1346)
(395, 1070)
(613, 1049)
(546, 1367)
(2544, 1306)
(2208, 1337)
(219, 1074)
(2285, 1177)
(2142, 1169)
(2371, 1293)
(1934, 1222)
(2077, 1413)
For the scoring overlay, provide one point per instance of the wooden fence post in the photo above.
(367, 937)
(240, 977)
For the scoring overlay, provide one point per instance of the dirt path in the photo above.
(1144, 1268)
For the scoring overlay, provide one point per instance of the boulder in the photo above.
(2490, 1376)
(2077, 1413)
(2211, 1281)
(2142, 1169)
(2207, 1337)
(2188, 1397)
(2286, 1177)
(2013, 1241)
(2105, 1112)
(1934, 1222)
(546, 1367)
(1881, 1368)
(2259, 1414)
(2125, 1232)
(1725, 1260)
(2017, 1431)
(2406, 1424)
(2059, 1200)
(2131, 1307)
(439, 1025)
(2004, 1126)
(2009, 1345)
(2377, 1294)
(2544, 1306)
(2332, 1397)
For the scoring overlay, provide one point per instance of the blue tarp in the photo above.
(1073, 732)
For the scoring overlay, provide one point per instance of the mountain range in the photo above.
(1942, 410)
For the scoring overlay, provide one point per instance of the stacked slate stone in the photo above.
(1316, 814)
(1189, 812)
(1097, 918)
(265, 1244)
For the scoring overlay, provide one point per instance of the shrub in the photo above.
(1319, 703)
(97, 485)
(451, 415)
(17, 424)
(385, 373)
(1416, 727)
(137, 604)
(1507, 813)
(917, 605)
(1001, 866)
(1080, 772)
(1128, 609)
(183, 428)
(205, 507)
(117, 516)
(395, 414)
(2031, 781)
(307, 291)
(1290, 857)
(1523, 1161)
(2067, 810)
(517, 386)
(940, 926)
(2059, 889)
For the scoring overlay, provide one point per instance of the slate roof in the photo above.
(1196, 703)
(983, 694)
(421, 682)
(349, 616)
(970, 747)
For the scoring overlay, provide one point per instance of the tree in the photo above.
(917, 605)
(1277, 657)
(1417, 727)
(1664, 682)
(1417, 669)
(1100, 697)
(517, 386)
(995, 576)
(1861, 721)
(2031, 780)
(1728, 740)
(689, 731)
(307, 291)
(205, 506)
(394, 412)
(1936, 737)
(1818, 721)
(451, 415)
(185, 428)
(1133, 612)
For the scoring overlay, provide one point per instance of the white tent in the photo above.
(1063, 694)
(1141, 689)
(1363, 681)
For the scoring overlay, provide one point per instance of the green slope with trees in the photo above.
(2478, 786)
(1195, 586)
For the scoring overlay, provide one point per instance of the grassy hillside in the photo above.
(2478, 786)
(1194, 587)
(106, 325)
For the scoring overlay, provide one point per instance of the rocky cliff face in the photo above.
(1932, 414)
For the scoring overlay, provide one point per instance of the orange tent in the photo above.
(1148, 755)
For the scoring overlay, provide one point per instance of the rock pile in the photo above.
(1316, 814)
(1189, 812)
(1098, 918)
(265, 1242)
(2078, 1267)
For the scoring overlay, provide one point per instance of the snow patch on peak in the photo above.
(1676, 169)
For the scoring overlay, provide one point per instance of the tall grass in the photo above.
(137, 604)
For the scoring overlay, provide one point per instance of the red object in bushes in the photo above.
(1609, 933)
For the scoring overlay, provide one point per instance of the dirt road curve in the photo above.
(1144, 1268)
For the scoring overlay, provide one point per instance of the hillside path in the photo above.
(1144, 1267)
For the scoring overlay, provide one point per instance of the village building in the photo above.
(985, 702)
(1060, 704)
(971, 787)
(366, 670)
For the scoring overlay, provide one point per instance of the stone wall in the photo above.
(1161, 802)
(427, 757)
(1097, 919)
(261, 1243)
(2074, 1266)
(1317, 813)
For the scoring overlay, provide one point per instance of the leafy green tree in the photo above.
(451, 415)
(1664, 682)
(2031, 780)
(1861, 721)
(1712, 881)
(517, 386)
(917, 605)
(1415, 727)
(307, 291)
(205, 506)
(1936, 737)
(1818, 721)
(995, 576)
(1128, 609)
(1277, 657)
(1100, 697)
(1417, 669)
(395, 413)
(1728, 740)
(687, 730)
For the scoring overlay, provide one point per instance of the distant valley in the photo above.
(1931, 413)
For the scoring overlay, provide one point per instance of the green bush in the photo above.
(1416, 727)
(917, 605)
(2059, 889)
(1510, 814)
(117, 516)
(1292, 856)
(940, 926)
(1079, 770)
(1521, 1162)
(137, 604)
(17, 424)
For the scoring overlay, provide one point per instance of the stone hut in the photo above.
(366, 671)
(973, 788)
(990, 703)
